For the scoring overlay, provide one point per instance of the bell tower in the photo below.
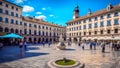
(76, 12)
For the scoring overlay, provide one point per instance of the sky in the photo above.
(60, 11)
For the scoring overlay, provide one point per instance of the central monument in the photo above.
(61, 45)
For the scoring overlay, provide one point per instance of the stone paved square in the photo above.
(38, 56)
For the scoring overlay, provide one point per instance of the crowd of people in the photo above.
(103, 44)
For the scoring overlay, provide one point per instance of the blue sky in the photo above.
(60, 11)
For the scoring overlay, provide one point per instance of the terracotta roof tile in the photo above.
(101, 12)
(34, 20)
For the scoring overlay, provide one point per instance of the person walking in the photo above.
(103, 47)
(43, 44)
(25, 45)
(20, 46)
(49, 43)
(91, 45)
(94, 45)
(83, 46)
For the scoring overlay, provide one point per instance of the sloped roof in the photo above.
(100, 12)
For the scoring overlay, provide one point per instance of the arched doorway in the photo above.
(12, 30)
(50, 39)
(6, 29)
(39, 40)
(16, 31)
(30, 39)
(35, 40)
(75, 40)
(46, 39)
(1, 29)
(43, 39)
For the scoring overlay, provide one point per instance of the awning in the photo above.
(11, 35)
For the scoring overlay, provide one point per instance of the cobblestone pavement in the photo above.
(37, 56)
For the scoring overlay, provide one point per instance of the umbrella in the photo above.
(11, 35)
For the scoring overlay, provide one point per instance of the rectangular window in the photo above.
(90, 26)
(90, 20)
(16, 22)
(84, 33)
(84, 26)
(80, 27)
(89, 33)
(16, 9)
(20, 23)
(116, 22)
(12, 21)
(6, 12)
(16, 15)
(115, 30)
(1, 19)
(108, 16)
(84, 21)
(109, 23)
(35, 26)
(101, 24)
(1, 11)
(108, 31)
(101, 17)
(25, 24)
(12, 13)
(96, 19)
(6, 5)
(95, 25)
(12, 7)
(101, 32)
(6, 20)
(95, 32)
(116, 14)
(0, 3)
(30, 25)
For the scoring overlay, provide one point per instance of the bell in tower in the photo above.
(76, 12)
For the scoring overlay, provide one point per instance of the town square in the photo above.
(59, 34)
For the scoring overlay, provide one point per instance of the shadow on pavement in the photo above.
(70, 49)
(12, 53)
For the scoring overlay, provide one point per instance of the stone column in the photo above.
(72, 39)
(78, 39)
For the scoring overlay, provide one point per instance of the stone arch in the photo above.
(16, 31)
(12, 30)
(75, 39)
(6, 29)
(1, 29)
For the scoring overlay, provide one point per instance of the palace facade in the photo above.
(32, 29)
(104, 23)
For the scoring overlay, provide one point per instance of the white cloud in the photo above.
(27, 8)
(41, 17)
(51, 15)
(38, 12)
(43, 8)
(19, 1)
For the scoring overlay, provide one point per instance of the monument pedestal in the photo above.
(61, 46)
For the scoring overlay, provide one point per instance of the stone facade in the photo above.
(101, 24)
(33, 30)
